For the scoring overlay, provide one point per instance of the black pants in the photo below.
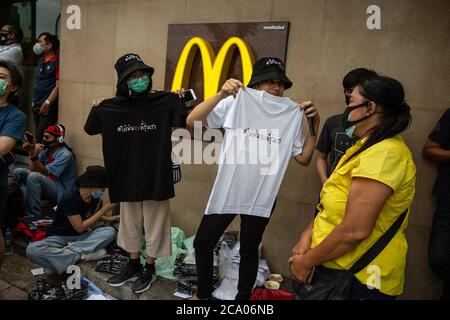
(439, 246)
(209, 232)
(42, 122)
(3, 194)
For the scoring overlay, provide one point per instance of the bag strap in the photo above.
(379, 245)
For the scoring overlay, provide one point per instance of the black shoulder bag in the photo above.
(7, 160)
(332, 284)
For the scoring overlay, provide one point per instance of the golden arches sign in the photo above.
(215, 68)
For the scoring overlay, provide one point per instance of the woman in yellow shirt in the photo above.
(373, 184)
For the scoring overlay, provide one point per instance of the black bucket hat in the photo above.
(94, 177)
(128, 63)
(269, 68)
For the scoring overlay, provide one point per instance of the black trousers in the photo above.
(209, 232)
(42, 122)
(439, 245)
(3, 194)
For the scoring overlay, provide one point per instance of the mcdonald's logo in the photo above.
(215, 68)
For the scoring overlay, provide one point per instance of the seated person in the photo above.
(51, 170)
(69, 238)
(15, 207)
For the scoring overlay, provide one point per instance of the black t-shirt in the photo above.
(137, 144)
(441, 135)
(70, 204)
(334, 141)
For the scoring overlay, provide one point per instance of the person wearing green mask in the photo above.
(70, 237)
(12, 127)
(136, 128)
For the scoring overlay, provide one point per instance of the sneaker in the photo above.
(75, 294)
(55, 293)
(93, 256)
(145, 279)
(130, 273)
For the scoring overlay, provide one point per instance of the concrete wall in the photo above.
(327, 39)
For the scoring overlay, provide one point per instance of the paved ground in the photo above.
(16, 280)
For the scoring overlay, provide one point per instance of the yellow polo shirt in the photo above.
(390, 162)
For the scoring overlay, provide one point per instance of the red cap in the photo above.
(56, 131)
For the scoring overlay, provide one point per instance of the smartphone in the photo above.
(189, 97)
(29, 137)
(310, 277)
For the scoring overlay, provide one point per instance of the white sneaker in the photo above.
(96, 255)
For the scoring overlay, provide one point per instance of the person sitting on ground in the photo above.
(12, 126)
(69, 237)
(51, 170)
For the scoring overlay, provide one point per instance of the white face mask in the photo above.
(37, 49)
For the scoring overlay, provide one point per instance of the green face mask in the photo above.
(3, 86)
(139, 85)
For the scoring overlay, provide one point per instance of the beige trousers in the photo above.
(154, 218)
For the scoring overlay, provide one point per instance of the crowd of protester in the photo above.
(366, 169)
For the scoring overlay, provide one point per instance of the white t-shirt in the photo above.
(262, 132)
(12, 53)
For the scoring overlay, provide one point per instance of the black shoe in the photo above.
(145, 279)
(41, 287)
(55, 293)
(130, 273)
(75, 294)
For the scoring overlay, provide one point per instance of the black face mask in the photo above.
(347, 123)
(47, 143)
(347, 99)
(3, 38)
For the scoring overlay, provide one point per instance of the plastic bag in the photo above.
(224, 260)
(165, 265)
(271, 294)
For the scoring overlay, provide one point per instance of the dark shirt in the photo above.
(137, 144)
(47, 73)
(334, 141)
(441, 135)
(71, 204)
(12, 122)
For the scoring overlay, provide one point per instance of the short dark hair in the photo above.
(16, 76)
(357, 76)
(93, 177)
(18, 33)
(52, 39)
(389, 94)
